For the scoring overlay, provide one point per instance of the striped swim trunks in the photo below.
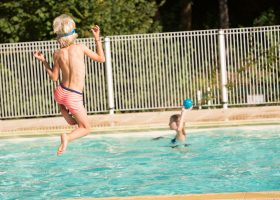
(71, 99)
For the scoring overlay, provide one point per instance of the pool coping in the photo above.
(138, 128)
(144, 121)
(269, 195)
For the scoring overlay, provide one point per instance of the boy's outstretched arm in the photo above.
(182, 119)
(99, 55)
(180, 136)
(52, 72)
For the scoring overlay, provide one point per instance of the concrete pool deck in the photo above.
(143, 121)
(275, 195)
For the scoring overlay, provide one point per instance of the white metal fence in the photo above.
(253, 65)
(155, 71)
(152, 71)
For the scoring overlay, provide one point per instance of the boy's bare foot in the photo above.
(63, 145)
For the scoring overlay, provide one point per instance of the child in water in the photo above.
(177, 123)
(69, 59)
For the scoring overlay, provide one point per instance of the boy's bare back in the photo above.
(71, 62)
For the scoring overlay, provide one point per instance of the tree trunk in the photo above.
(186, 15)
(224, 16)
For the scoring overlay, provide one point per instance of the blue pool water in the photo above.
(216, 160)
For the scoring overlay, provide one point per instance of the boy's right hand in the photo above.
(184, 109)
(39, 56)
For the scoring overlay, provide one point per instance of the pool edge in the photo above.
(267, 195)
(138, 128)
(143, 121)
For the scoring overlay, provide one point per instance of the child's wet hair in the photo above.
(175, 118)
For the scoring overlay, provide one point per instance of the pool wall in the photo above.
(144, 121)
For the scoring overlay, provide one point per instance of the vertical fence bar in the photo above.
(109, 75)
(2, 96)
(222, 59)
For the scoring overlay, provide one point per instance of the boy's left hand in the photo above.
(96, 32)
(39, 56)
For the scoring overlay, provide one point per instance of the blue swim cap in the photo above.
(187, 103)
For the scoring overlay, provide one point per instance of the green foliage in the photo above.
(26, 20)
(267, 18)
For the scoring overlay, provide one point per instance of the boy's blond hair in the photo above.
(64, 26)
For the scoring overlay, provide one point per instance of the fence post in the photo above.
(223, 69)
(109, 76)
(199, 99)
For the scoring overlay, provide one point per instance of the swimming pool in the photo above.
(132, 164)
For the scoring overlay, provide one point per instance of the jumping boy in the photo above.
(70, 60)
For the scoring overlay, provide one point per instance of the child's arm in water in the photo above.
(52, 72)
(181, 135)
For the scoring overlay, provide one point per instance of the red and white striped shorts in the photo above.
(71, 99)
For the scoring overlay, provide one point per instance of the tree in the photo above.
(266, 18)
(175, 15)
(224, 16)
(186, 15)
(26, 20)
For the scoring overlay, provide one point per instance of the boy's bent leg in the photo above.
(82, 130)
(83, 126)
(69, 118)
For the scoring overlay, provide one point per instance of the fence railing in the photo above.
(152, 71)
(253, 65)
